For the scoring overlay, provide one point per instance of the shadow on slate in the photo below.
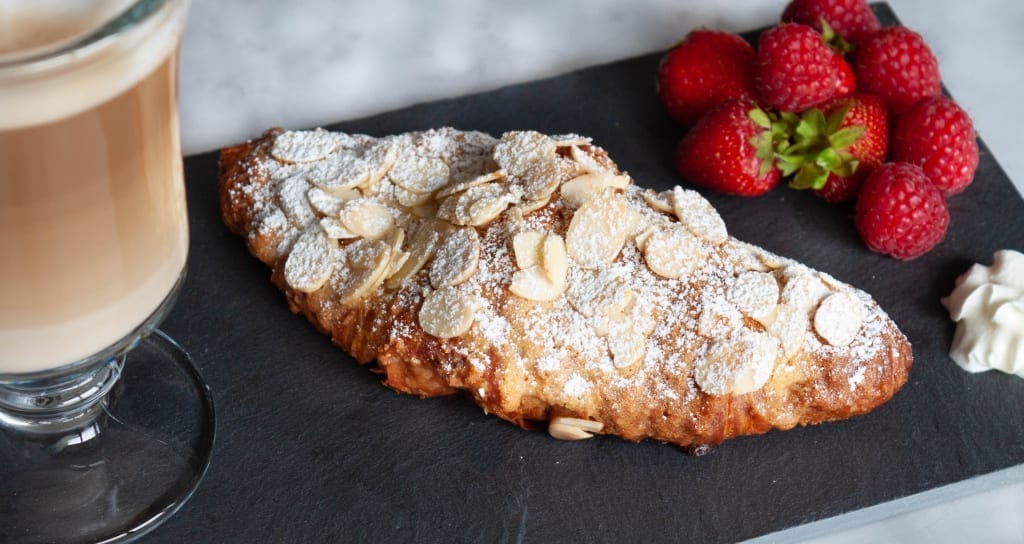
(311, 448)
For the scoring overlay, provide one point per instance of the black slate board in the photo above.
(311, 448)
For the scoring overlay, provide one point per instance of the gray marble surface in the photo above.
(249, 65)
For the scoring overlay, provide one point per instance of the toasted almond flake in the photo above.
(410, 199)
(694, 211)
(580, 189)
(291, 197)
(462, 186)
(756, 294)
(566, 140)
(586, 161)
(329, 204)
(303, 145)
(534, 283)
(476, 203)
(456, 258)
(485, 210)
(311, 261)
(596, 293)
(672, 252)
(596, 233)
(447, 312)
(366, 218)
(339, 172)
(572, 428)
(422, 246)
(660, 202)
(419, 174)
(554, 259)
(738, 364)
(644, 235)
(530, 162)
(626, 344)
(526, 247)
(335, 230)
(528, 206)
(790, 328)
(398, 260)
(368, 262)
(839, 318)
(803, 289)
(381, 158)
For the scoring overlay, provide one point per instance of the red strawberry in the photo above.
(900, 212)
(896, 64)
(938, 135)
(795, 68)
(847, 83)
(866, 153)
(852, 19)
(707, 68)
(729, 152)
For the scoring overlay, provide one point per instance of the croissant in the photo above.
(530, 274)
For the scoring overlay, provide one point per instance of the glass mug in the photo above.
(105, 425)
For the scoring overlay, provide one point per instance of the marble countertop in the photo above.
(247, 66)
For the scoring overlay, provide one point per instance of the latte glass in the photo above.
(105, 425)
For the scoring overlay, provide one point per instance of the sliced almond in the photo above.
(381, 158)
(803, 289)
(672, 252)
(447, 313)
(366, 218)
(476, 205)
(419, 174)
(526, 247)
(838, 318)
(456, 259)
(530, 162)
(580, 189)
(554, 259)
(410, 199)
(660, 202)
(573, 428)
(528, 206)
(596, 233)
(586, 161)
(335, 230)
(329, 204)
(368, 262)
(756, 294)
(737, 365)
(311, 261)
(626, 344)
(291, 196)
(534, 283)
(485, 210)
(303, 145)
(422, 246)
(790, 327)
(596, 293)
(566, 140)
(338, 173)
(694, 211)
(462, 186)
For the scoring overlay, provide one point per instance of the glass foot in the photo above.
(122, 475)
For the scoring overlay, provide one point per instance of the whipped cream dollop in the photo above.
(988, 306)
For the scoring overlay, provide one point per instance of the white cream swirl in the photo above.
(988, 306)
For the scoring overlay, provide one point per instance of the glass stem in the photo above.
(58, 405)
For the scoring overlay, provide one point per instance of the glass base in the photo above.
(122, 475)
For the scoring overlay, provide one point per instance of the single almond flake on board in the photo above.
(311, 261)
(839, 318)
(366, 218)
(572, 428)
(694, 211)
(672, 251)
(447, 312)
(596, 233)
(303, 145)
(456, 259)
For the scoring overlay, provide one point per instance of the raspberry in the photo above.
(938, 135)
(900, 212)
(795, 68)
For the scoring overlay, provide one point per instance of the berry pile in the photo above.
(831, 102)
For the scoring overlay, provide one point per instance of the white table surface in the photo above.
(249, 65)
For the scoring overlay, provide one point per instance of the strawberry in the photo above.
(837, 145)
(852, 19)
(795, 68)
(707, 68)
(900, 212)
(938, 135)
(728, 151)
(896, 64)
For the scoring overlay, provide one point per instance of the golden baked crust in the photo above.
(685, 351)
